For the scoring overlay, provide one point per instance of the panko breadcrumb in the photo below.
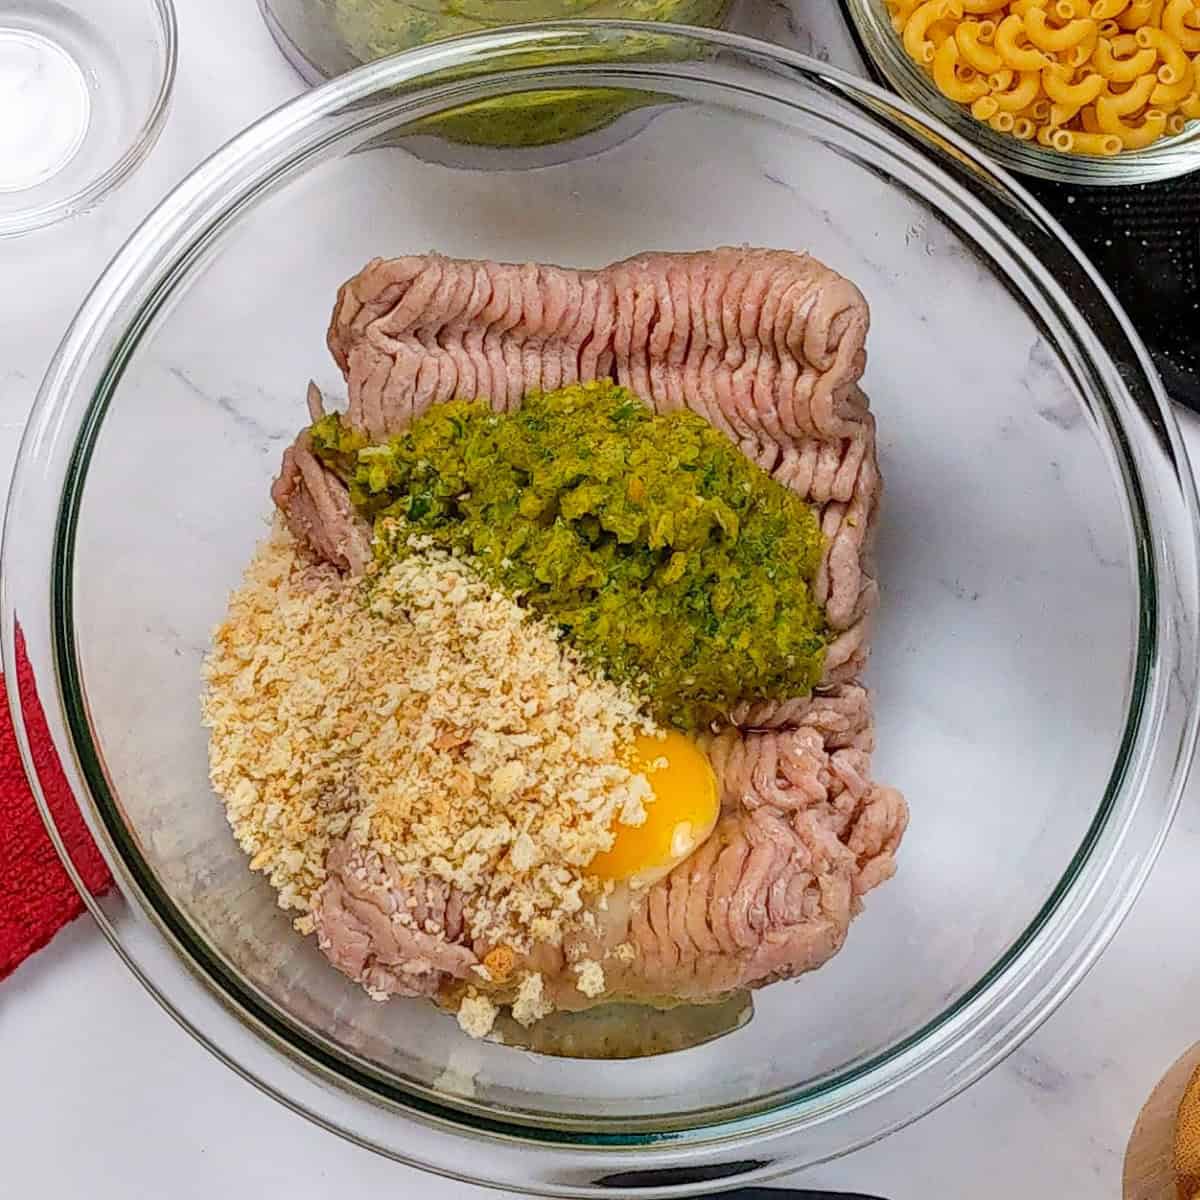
(476, 1015)
(531, 1003)
(589, 977)
(427, 717)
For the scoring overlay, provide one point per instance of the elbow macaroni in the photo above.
(1094, 77)
(1046, 37)
(1132, 64)
(1021, 96)
(1081, 53)
(917, 40)
(1139, 13)
(1009, 35)
(1175, 24)
(950, 82)
(1061, 91)
(974, 44)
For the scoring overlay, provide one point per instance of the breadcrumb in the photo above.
(428, 718)
(476, 1015)
(590, 977)
(531, 1003)
(625, 952)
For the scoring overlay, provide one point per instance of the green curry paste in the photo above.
(667, 557)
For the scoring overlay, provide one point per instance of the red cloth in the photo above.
(36, 897)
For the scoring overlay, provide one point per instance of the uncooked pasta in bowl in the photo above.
(1091, 91)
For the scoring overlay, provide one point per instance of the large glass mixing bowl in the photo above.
(1036, 652)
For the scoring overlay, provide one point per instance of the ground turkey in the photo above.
(769, 347)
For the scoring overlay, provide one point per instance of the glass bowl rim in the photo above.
(139, 146)
(1168, 158)
(143, 270)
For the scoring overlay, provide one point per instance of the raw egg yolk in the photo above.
(681, 814)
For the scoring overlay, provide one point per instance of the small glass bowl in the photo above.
(87, 86)
(1164, 160)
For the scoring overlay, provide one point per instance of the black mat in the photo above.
(1145, 240)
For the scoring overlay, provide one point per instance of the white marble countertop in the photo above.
(102, 1095)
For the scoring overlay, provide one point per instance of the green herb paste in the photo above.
(371, 29)
(668, 559)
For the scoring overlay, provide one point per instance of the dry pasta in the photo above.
(1094, 77)
(1175, 20)
(1120, 60)
(974, 44)
(1013, 46)
(1081, 53)
(1046, 36)
(1082, 91)
(1022, 95)
(950, 82)
(1139, 13)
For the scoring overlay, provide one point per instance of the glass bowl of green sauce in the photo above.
(1035, 662)
(323, 38)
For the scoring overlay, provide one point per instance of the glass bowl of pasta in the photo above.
(1080, 91)
(1034, 578)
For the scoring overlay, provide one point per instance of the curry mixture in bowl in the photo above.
(544, 690)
